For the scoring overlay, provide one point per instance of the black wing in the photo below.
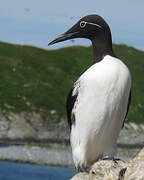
(69, 106)
(71, 99)
(128, 106)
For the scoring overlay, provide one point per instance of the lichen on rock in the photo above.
(111, 170)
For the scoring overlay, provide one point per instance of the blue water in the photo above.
(24, 171)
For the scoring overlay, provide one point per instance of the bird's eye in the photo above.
(82, 24)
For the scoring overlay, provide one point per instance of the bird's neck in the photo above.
(101, 48)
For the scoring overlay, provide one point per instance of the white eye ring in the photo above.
(83, 24)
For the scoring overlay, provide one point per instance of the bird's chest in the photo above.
(101, 90)
(101, 80)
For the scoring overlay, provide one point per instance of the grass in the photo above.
(34, 79)
(35, 162)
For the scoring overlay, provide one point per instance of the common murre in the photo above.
(98, 102)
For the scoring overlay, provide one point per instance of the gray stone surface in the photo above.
(31, 126)
(110, 170)
(36, 154)
(53, 154)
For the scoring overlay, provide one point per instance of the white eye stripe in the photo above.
(94, 24)
(83, 24)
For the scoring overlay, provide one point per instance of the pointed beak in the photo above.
(63, 37)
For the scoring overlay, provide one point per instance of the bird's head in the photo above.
(90, 27)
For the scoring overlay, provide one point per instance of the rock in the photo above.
(81, 176)
(135, 167)
(110, 170)
(134, 125)
(142, 126)
(106, 169)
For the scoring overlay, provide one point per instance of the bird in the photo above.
(99, 100)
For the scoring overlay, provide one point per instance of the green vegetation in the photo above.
(34, 79)
(49, 146)
(34, 162)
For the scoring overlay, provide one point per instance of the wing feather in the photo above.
(71, 100)
(128, 106)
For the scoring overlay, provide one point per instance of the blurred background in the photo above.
(36, 23)
(35, 79)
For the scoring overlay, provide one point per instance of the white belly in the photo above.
(100, 109)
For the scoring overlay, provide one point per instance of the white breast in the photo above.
(100, 109)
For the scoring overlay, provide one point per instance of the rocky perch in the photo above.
(110, 170)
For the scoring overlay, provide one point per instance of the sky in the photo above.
(37, 22)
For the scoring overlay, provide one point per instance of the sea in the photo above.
(25, 171)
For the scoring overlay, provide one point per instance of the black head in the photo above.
(92, 27)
